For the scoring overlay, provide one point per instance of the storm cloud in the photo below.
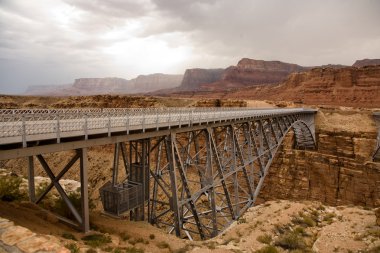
(56, 41)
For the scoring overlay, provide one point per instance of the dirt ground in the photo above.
(310, 226)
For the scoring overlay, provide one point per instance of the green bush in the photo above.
(265, 238)
(10, 188)
(163, 245)
(72, 247)
(96, 240)
(291, 241)
(133, 250)
(69, 236)
(267, 249)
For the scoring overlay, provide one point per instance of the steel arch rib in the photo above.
(223, 172)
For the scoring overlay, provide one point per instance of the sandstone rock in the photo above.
(377, 213)
(366, 62)
(15, 234)
(194, 78)
(357, 87)
(250, 71)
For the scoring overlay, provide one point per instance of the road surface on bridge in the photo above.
(22, 126)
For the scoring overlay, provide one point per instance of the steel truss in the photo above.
(204, 179)
(376, 154)
(81, 217)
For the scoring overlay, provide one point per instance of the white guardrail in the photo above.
(22, 125)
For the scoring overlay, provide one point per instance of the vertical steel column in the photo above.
(173, 183)
(31, 186)
(84, 190)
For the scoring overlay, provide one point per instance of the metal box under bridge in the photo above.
(119, 198)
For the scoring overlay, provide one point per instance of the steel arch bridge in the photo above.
(199, 169)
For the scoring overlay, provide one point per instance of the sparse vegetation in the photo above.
(69, 236)
(10, 188)
(291, 241)
(96, 240)
(162, 245)
(267, 249)
(91, 250)
(72, 247)
(241, 220)
(152, 236)
(265, 238)
(133, 250)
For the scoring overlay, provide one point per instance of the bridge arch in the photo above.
(207, 178)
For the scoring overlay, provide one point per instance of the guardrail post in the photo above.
(157, 120)
(109, 125)
(23, 132)
(85, 127)
(180, 116)
(169, 120)
(58, 130)
(143, 122)
(127, 123)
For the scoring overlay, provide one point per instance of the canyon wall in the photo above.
(357, 87)
(338, 172)
(251, 72)
(109, 85)
(366, 62)
(148, 83)
(194, 78)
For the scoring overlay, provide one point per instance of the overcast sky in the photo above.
(56, 41)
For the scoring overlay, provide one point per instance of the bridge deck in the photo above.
(21, 127)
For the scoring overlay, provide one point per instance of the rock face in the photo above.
(194, 78)
(251, 72)
(148, 83)
(366, 62)
(109, 85)
(357, 87)
(46, 89)
(100, 85)
(339, 172)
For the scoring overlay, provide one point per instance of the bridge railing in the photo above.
(25, 123)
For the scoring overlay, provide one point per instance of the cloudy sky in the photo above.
(55, 41)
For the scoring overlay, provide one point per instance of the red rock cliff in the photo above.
(250, 72)
(194, 78)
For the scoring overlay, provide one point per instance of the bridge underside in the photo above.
(203, 180)
(193, 182)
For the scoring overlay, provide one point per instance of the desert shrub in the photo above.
(72, 247)
(304, 220)
(69, 236)
(265, 238)
(96, 240)
(10, 188)
(291, 241)
(267, 249)
(241, 220)
(133, 250)
(125, 236)
(163, 245)
(152, 236)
